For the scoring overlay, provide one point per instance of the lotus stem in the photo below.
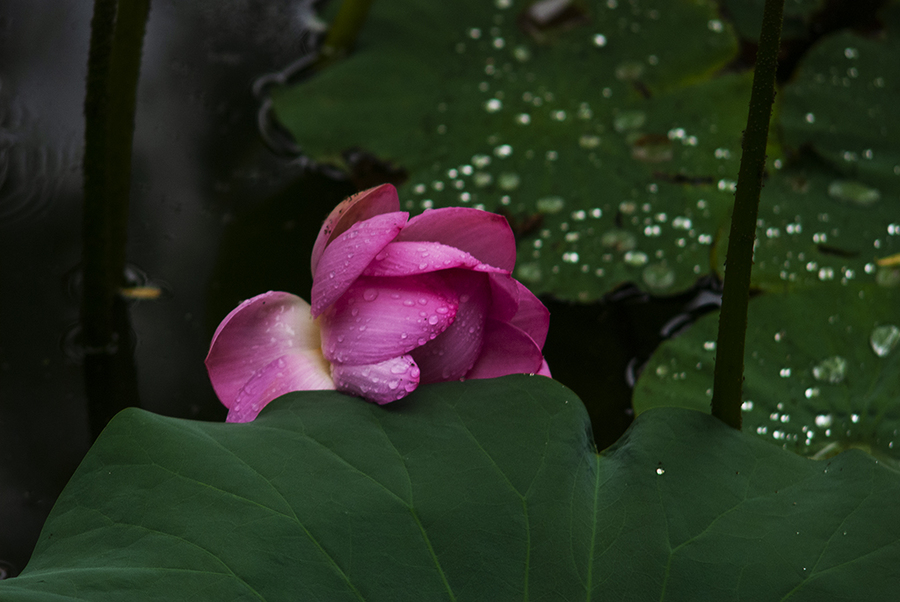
(117, 33)
(729, 373)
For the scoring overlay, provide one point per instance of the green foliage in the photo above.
(606, 141)
(842, 105)
(833, 214)
(484, 490)
(625, 169)
(822, 371)
(809, 235)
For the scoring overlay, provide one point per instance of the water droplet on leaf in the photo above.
(884, 338)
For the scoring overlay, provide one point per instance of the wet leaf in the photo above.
(485, 490)
(842, 104)
(610, 126)
(822, 370)
(815, 228)
(831, 214)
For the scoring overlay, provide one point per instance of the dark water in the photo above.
(215, 217)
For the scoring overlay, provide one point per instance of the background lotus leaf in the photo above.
(841, 105)
(605, 138)
(822, 371)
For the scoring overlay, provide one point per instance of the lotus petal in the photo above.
(545, 370)
(411, 258)
(382, 383)
(532, 316)
(292, 372)
(452, 354)
(485, 236)
(506, 350)
(380, 318)
(359, 207)
(258, 332)
(505, 297)
(347, 256)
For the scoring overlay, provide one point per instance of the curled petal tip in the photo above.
(359, 207)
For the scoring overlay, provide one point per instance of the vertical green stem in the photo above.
(117, 33)
(344, 31)
(729, 373)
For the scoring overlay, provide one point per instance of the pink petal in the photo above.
(359, 207)
(382, 383)
(505, 295)
(380, 318)
(514, 303)
(410, 258)
(452, 354)
(485, 236)
(532, 316)
(292, 372)
(506, 350)
(545, 370)
(256, 333)
(348, 255)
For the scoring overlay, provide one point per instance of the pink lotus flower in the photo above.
(396, 302)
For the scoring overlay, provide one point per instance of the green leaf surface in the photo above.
(842, 105)
(831, 214)
(809, 234)
(607, 141)
(485, 490)
(822, 371)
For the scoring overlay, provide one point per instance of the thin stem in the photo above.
(117, 33)
(344, 31)
(729, 372)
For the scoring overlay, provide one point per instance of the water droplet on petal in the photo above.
(370, 294)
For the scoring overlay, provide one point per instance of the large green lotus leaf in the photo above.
(810, 235)
(607, 142)
(842, 104)
(485, 490)
(822, 370)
